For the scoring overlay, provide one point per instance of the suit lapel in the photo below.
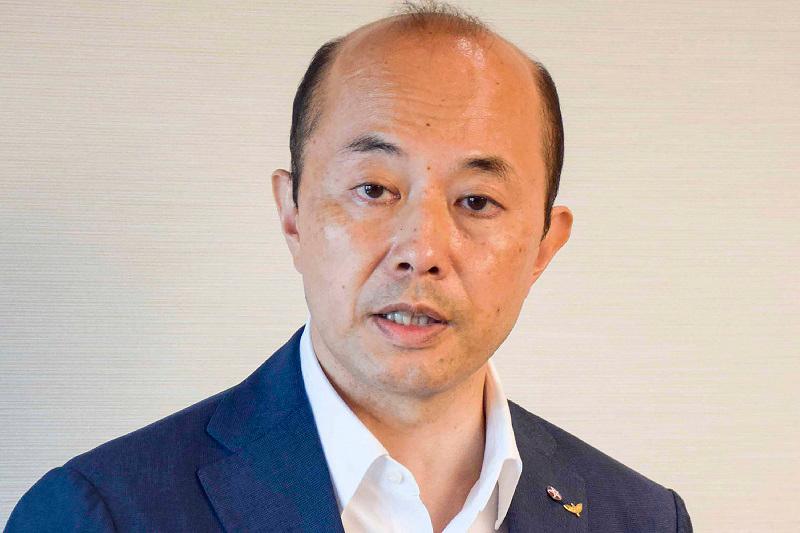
(276, 478)
(532, 510)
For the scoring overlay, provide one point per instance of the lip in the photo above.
(411, 336)
(417, 309)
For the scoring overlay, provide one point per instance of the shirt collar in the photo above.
(500, 453)
(350, 448)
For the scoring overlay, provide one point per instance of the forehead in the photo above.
(474, 92)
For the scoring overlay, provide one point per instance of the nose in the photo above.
(422, 238)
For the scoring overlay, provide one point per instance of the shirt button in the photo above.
(395, 476)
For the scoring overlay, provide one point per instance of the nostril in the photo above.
(406, 267)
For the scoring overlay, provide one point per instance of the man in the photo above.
(426, 153)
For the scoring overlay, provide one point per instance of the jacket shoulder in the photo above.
(62, 500)
(618, 495)
(179, 438)
(145, 480)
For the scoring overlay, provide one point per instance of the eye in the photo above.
(477, 203)
(482, 205)
(373, 191)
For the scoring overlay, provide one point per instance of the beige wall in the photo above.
(142, 269)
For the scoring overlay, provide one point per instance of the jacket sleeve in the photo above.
(62, 500)
(684, 523)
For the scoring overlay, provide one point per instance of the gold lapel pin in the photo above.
(574, 508)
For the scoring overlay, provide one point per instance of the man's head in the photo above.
(422, 168)
(307, 107)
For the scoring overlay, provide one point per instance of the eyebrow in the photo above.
(372, 142)
(491, 165)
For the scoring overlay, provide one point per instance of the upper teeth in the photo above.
(406, 318)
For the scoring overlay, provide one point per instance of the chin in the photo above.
(416, 374)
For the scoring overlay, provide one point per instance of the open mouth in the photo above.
(406, 318)
(411, 329)
(411, 326)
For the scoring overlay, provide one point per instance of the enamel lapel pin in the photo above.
(574, 508)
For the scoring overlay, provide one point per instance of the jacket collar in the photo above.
(276, 477)
(532, 509)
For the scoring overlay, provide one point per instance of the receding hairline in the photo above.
(447, 22)
(454, 23)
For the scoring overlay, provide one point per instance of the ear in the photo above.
(287, 212)
(557, 236)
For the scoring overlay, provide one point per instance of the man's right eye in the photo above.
(371, 191)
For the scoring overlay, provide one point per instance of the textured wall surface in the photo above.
(142, 267)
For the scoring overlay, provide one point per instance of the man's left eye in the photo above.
(479, 204)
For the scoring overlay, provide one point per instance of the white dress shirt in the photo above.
(377, 493)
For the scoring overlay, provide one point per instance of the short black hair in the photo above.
(307, 108)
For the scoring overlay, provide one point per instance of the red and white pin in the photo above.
(553, 493)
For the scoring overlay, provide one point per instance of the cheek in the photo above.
(336, 251)
(499, 272)
(340, 236)
(324, 238)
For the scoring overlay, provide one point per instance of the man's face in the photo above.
(423, 192)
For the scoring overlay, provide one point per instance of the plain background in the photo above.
(142, 268)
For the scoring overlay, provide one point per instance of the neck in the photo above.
(442, 433)
(439, 437)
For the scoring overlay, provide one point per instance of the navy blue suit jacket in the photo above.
(250, 459)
